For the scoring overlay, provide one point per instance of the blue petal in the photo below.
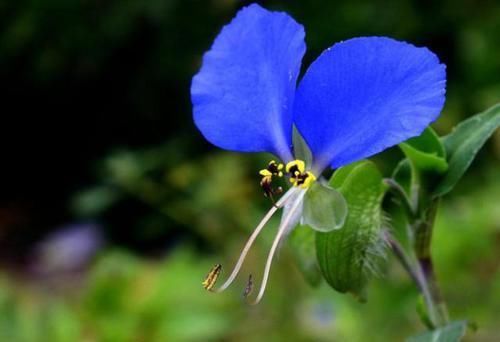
(243, 95)
(366, 94)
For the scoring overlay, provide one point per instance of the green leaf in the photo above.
(463, 143)
(452, 332)
(426, 152)
(302, 243)
(325, 209)
(301, 150)
(349, 256)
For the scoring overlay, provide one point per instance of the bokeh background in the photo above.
(113, 207)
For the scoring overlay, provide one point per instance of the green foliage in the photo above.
(349, 256)
(463, 144)
(32, 316)
(452, 332)
(426, 152)
(165, 295)
(418, 183)
(302, 245)
(450, 156)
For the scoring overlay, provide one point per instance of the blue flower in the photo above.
(360, 97)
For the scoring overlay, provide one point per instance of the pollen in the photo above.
(265, 173)
(299, 177)
(273, 169)
(295, 166)
(211, 277)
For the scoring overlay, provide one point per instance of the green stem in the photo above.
(400, 193)
(421, 222)
(422, 228)
(415, 273)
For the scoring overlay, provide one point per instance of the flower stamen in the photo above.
(273, 169)
(282, 201)
(211, 277)
(284, 227)
(249, 287)
(299, 177)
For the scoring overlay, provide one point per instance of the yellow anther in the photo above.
(308, 180)
(299, 164)
(273, 169)
(265, 173)
(298, 175)
(211, 277)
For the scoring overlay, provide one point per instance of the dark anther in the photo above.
(294, 170)
(249, 287)
(273, 168)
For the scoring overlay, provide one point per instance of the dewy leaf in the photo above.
(302, 243)
(325, 209)
(348, 257)
(301, 150)
(463, 143)
(452, 332)
(426, 152)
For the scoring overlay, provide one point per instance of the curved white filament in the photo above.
(284, 227)
(282, 201)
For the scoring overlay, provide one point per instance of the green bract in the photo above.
(348, 256)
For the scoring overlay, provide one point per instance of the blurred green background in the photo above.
(113, 207)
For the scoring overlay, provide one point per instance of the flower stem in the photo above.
(415, 273)
(422, 229)
(400, 193)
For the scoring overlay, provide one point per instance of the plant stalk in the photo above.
(422, 229)
(415, 272)
(400, 193)
(421, 270)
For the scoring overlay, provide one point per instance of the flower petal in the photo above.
(366, 94)
(243, 94)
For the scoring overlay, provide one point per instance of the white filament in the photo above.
(282, 201)
(284, 227)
